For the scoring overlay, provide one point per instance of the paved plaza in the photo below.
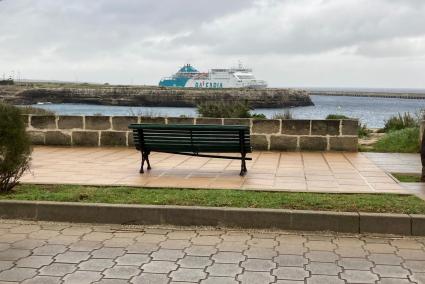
(409, 163)
(274, 171)
(41, 252)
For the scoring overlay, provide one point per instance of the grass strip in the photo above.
(407, 177)
(380, 203)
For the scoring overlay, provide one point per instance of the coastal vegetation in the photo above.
(287, 114)
(400, 135)
(400, 121)
(35, 110)
(15, 147)
(336, 116)
(7, 82)
(227, 109)
(399, 141)
(381, 203)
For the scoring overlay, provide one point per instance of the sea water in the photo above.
(370, 110)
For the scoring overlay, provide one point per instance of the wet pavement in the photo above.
(42, 252)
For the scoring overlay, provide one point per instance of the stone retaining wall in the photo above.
(270, 134)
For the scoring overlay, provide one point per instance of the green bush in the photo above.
(285, 115)
(337, 116)
(35, 110)
(258, 116)
(363, 130)
(225, 109)
(15, 147)
(398, 122)
(399, 141)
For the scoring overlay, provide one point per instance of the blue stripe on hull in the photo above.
(178, 82)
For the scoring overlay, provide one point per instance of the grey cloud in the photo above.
(106, 40)
(297, 28)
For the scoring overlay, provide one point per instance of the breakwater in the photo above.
(154, 96)
(396, 95)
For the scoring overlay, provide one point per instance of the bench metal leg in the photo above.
(147, 160)
(243, 165)
(142, 164)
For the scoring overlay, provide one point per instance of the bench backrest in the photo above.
(192, 138)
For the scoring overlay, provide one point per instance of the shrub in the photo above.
(287, 114)
(7, 82)
(258, 116)
(363, 130)
(398, 122)
(399, 141)
(35, 110)
(337, 116)
(15, 147)
(224, 109)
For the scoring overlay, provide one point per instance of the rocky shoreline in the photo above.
(152, 96)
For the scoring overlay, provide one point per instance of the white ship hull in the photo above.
(188, 77)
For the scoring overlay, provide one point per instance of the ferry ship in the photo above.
(189, 77)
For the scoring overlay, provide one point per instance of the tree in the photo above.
(15, 147)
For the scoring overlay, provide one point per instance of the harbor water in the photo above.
(372, 111)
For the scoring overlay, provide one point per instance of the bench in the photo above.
(192, 140)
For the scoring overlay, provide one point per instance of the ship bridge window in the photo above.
(245, 77)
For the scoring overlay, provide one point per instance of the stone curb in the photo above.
(345, 222)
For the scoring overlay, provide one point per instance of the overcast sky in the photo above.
(306, 43)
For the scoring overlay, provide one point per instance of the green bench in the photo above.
(192, 140)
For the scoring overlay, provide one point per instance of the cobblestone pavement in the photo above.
(41, 252)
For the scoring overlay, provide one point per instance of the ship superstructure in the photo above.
(189, 77)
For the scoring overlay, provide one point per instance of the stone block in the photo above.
(98, 122)
(70, 122)
(237, 121)
(58, 138)
(152, 120)
(130, 139)
(37, 137)
(350, 127)
(259, 142)
(181, 120)
(265, 126)
(308, 143)
(283, 143)
(206, 120)
(305, 220)
(325, 127)
(296, 126)
(418, 225)
(385, 223)
(85, 138)
(113, 138)
(43, 121)
(344, 144)
(122, 122)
